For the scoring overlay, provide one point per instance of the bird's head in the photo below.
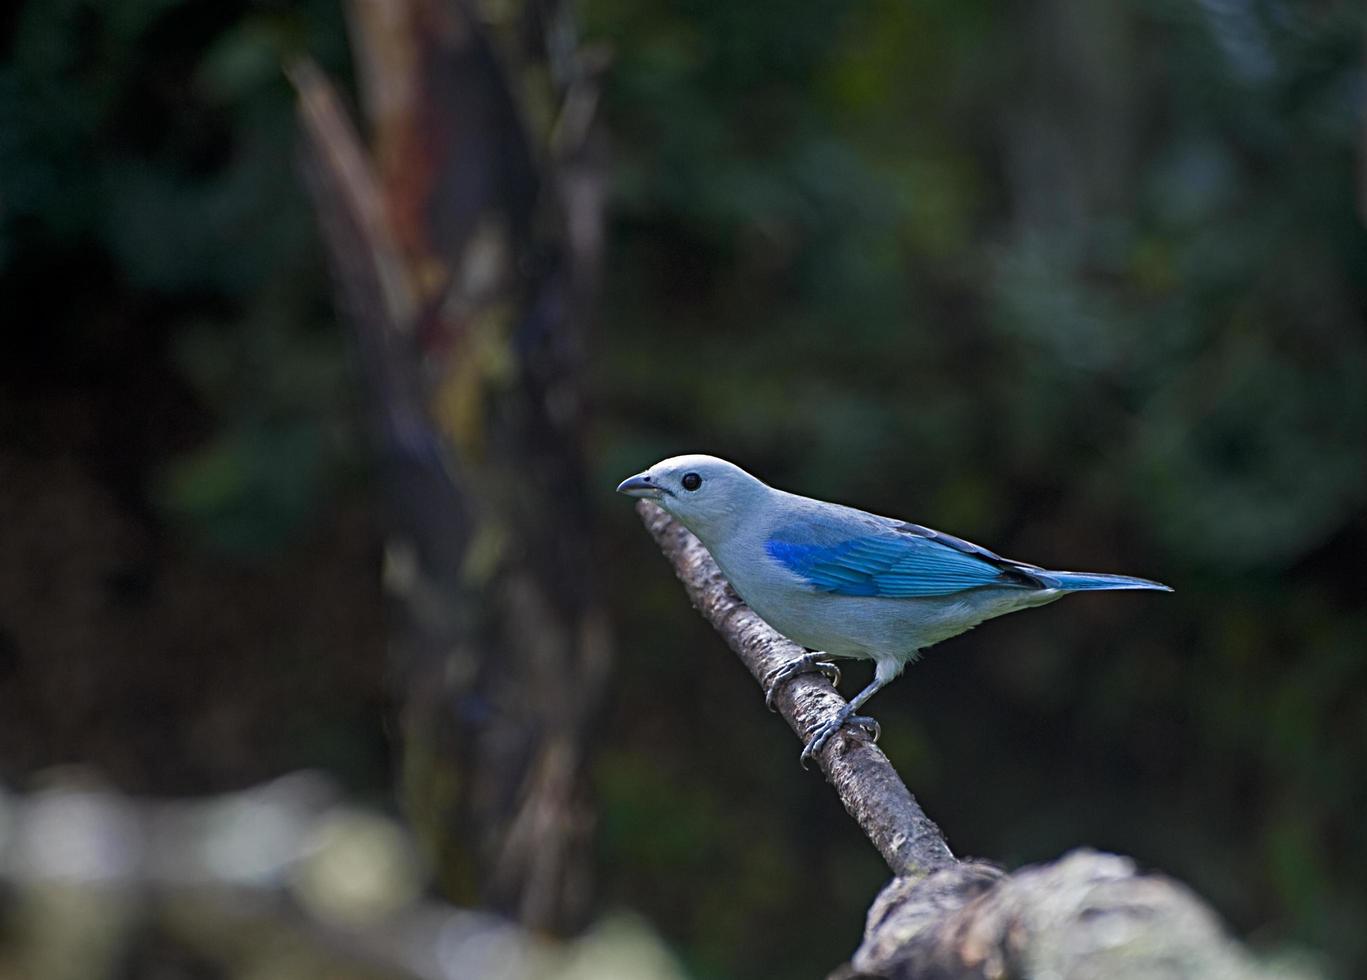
(704, 493)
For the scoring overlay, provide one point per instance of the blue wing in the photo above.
(895, 560)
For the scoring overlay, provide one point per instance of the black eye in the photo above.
(691, 481)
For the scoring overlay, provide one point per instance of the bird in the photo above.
(844, 583)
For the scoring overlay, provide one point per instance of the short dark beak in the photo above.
(640, 486)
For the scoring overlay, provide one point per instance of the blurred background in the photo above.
(1085, 282)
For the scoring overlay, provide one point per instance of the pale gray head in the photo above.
(705, 493)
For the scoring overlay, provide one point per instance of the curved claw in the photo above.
(870, 726)
(806, 664)
(771, 683)
(824, 731)
(814, 745)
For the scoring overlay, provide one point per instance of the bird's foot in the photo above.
(808, 663)
(825, 730)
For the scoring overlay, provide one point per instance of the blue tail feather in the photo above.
(1084, 581)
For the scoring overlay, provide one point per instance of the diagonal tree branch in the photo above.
(1085, 916)
(863, 777)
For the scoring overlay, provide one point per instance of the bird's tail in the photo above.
(1086, 581)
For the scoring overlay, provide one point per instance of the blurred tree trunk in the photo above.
(465, 244)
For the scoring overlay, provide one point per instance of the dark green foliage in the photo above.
(153, 224)
(1084, 282)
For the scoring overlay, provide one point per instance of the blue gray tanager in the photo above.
(844, 582)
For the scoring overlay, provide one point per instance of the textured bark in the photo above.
(1087, 916)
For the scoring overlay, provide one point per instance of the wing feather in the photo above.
(894, 560)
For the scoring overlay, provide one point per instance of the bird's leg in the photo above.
(808, 663)
(885, 671)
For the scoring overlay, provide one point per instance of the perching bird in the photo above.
(844, 582)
